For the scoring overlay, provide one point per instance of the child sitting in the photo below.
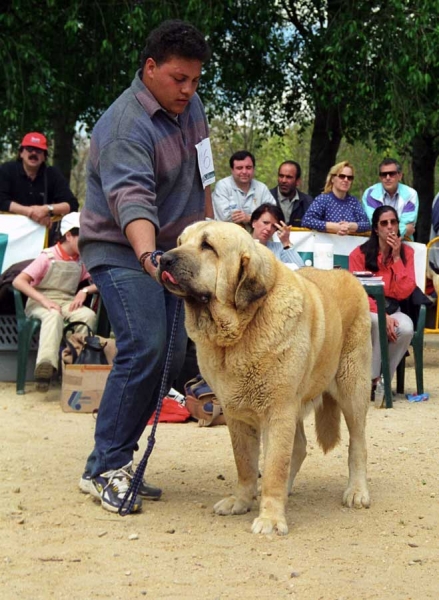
(51, 282)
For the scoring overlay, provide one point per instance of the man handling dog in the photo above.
(144, 187)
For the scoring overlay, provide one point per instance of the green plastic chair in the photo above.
(27, 327)
(418, 354)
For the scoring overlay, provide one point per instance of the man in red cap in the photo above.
(29, 187)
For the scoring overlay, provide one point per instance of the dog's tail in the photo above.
(327, 418)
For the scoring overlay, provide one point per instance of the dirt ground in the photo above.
(58, 543)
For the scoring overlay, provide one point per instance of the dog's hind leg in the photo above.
(354, 402)
(299, 454)
(245, 443)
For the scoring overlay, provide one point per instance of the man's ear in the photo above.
(251, 283)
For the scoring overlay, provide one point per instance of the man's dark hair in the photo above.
(273, 209)
(371, 248)
(294, 164)
(241, 155)
(390, 161)
(175, 38)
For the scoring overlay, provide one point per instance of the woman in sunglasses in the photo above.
(336, 211)
(385, 255)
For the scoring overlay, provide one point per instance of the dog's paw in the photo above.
(266, 526)
(232, 506)
(357, 497)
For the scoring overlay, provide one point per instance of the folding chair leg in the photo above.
(400, 376)
(418, 352)
(24, 341)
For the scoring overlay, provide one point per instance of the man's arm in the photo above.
(409, 215)
(208, 213)
(141, 235)
(221, 202)
(369, 204)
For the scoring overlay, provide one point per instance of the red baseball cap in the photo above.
(35, 139)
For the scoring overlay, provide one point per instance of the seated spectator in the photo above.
(385, 255)
(289, 198)
(266, 220)
(29, 187)
(51, 282)
(391, 192)
(236, 197)
(335, 211)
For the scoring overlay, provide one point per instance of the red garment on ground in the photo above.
(171, 412)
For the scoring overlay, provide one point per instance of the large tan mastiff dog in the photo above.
(269, 341)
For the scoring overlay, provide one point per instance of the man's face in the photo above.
(390, 178)
(243, 170)
(32, 157)
(173, 83)
(287, 180)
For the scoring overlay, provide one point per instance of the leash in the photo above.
(132, 491)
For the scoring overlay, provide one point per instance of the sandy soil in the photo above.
(58, 543)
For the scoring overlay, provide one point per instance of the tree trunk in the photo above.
(325, 142)
(64, 133)
(423, 165)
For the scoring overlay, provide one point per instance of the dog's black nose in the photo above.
(167, 260)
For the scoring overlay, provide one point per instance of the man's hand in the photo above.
(39, 214)
(409, 229)
(240, 217)
(391, 325)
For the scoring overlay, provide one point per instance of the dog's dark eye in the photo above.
(206, 246)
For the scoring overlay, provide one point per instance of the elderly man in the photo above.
(236, 197)
(289, 198)
(30, 188)
(391, 192)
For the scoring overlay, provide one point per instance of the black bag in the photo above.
(92, 352)
(392, 305)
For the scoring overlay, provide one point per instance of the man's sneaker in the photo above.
(110, 488)
(43, 374)
(146, 491)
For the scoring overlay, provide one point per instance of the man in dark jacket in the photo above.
(30, 188)
(290, 200)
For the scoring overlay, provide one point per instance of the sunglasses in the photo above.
(348, 177)
(385, 174)
(31, 149)
(386, 222)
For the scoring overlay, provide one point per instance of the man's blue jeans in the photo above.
(141, 313)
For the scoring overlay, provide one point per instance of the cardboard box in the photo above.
(82, 387)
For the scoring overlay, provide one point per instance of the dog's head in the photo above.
(222, 274)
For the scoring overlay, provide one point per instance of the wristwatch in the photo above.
(50, 207)
(85, 290)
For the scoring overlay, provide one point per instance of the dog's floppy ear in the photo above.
(252, 284)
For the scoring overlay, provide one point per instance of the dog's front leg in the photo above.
(245, 443)
(278, 451)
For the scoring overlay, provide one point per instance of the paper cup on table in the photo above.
(324, 256)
